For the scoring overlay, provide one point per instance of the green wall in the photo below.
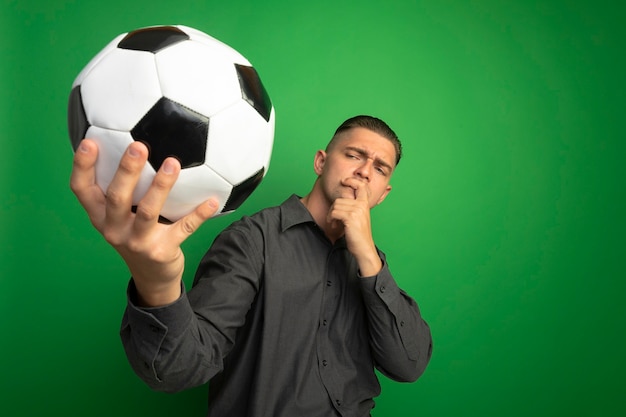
(506, 221)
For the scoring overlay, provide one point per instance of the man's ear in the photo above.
(319, 161)
(385, 194)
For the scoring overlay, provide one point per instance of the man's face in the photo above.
(358, 155)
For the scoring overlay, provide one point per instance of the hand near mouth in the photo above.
(354, 215)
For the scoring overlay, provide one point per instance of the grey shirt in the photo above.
(281, 323)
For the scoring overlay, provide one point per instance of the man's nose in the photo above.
(364, 170)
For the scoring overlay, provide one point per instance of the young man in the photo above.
(291, 309)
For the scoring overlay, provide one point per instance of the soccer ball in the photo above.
(184, 94)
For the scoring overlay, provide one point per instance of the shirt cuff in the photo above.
(380, 287)
(171, 319)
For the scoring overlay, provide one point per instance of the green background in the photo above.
(506, 221)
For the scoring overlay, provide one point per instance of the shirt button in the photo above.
(324, 362)
(329, 283)
(382, 288)
(338, 402)
(402, 324)
(324, 322)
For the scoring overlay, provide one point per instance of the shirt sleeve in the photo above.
(400, 339)
(184, 344)
(159, 341)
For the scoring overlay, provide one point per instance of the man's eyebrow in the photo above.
(366, 154)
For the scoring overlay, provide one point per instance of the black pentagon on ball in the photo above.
(171, 129)
(252, 90)
(242, 191)
(77, 123)
(153, 39)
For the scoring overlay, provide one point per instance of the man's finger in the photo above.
(83, 180)
(120, 192)
(152, 203)
(188, 224)
(361, 190)
(83, 169)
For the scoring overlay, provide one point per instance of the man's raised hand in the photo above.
(354, 214)
(150, 249)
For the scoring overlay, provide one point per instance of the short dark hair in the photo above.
(375, 125)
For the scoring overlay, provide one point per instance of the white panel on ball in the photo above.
(246, 144)
(194, 186)
(191, 74)
(96, 59)
(120, 89)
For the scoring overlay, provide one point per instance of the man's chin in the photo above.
(346, 192)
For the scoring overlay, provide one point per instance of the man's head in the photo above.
(370, 123)
(365, 151)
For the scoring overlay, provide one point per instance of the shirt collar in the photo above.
(293, 212)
